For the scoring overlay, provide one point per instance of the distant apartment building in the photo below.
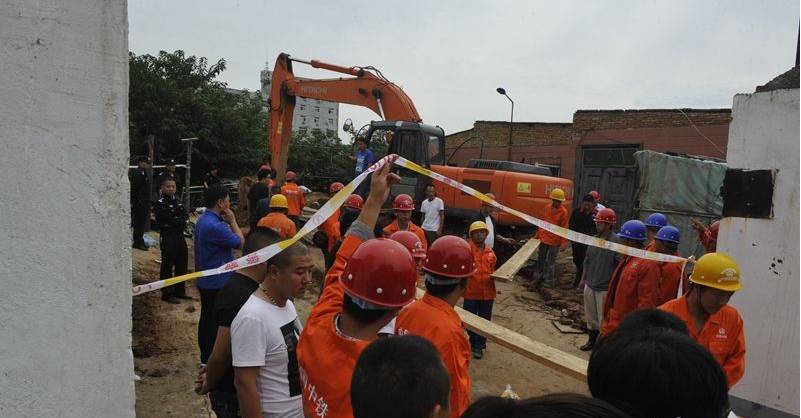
(310, 114)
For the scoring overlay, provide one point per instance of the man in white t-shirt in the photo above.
(264, 339)
(433, 209)
(485, 215)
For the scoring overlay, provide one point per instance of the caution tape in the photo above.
(554, 229)
(338, 199)
(268, 252)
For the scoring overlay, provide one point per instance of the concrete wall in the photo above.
(65, 303)
(764, 135)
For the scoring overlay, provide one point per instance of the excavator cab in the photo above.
(423, 144)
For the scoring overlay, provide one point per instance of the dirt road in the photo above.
(166, 353)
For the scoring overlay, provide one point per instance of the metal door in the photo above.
(611, 171)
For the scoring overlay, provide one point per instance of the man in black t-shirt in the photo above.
(217, 377)
(259, 191)
(582, 220)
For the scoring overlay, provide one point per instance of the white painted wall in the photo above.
(764, 134)
(65, 259)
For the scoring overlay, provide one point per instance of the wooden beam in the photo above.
(508, 270)
(541, 353)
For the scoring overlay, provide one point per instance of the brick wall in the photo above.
(586, 120)
(496, 135)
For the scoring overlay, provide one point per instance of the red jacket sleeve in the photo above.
(734, 366)
(648, 286)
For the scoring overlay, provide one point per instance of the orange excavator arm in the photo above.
(365, 88)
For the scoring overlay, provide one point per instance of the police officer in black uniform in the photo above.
(171, 217)
(169, 172)
(140, 202)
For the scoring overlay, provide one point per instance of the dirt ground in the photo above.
(166, 354)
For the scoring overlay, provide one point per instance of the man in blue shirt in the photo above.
(216, 235)
(364, 157)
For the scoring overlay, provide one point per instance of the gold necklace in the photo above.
(263, 290)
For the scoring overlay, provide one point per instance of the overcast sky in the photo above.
(553, 57)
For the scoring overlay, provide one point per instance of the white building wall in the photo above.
(309, 114)
(65, 258)
(764, 134)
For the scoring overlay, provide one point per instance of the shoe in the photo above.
(478, 353)
(142, 247)
(590, 344)
(171, 300)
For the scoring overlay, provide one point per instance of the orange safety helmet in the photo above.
(411, 242)
(381, 272)
(291, 176)
(335, 187)
(403, 203)
(354, 201)
(606, 215)
(450, 256)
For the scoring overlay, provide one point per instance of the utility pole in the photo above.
(188, 142)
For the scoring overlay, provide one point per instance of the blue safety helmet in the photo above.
(669, 234)
(656, 220)
(633, 230)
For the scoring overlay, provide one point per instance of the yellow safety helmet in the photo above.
(558, 194)
(718, 271)
(477, 226)
(279, 201)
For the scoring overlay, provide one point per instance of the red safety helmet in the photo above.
(595, 196)
(354, 201)
(381, 272)
(411, 242)
(291, 176)
(713, 231)
(403, 203)
(335, 187)
(450, 256)
(606, 215)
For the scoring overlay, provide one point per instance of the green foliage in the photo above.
(173, 96)
(320, 159)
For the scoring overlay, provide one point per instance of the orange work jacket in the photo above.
(669, 281)
(279, 223)
(331, 229)
(722, 335)
(435, 320)
(327, 357)
(634, 285)
(393, 227)
(481, 286)
(294, 197)
(557, 216)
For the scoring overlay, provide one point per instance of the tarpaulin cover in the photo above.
(682, 188)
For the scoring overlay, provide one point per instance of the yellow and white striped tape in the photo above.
(338, 199)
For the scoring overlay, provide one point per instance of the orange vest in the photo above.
(325, 356)
(435, 320)
(481, 286)
(722, 335)
(393, 227)
(331, 229)
(279, 223)
(294, 197)
(634, 285)
(557, 216)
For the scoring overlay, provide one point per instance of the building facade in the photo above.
(310, 114)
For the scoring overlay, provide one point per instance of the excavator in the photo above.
(514, 184)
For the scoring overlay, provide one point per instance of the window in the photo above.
(303, 120)
(317, 109)
(330, 111)
(316, 120)
(302, 107)
(330, 122)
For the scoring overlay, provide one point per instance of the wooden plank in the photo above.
(541, 353)
(508, 270)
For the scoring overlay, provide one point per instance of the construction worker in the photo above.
(331, 225)
(364, 290)
(599, 263)
(582, 220)
(277, 219)
(654, 222)
(554, 213)
(596, 197)
(294, 196)
(413, 244)
(480, 294)
(667, 241)
(635, 282)
(171, 217)
(406, 367)
(447, 270)
(707, 236)
(712, 322)
(402, 206)
(350, 211)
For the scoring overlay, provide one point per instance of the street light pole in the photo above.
(502, 91)
(188, 142)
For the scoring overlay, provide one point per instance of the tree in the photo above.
(173, 96)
